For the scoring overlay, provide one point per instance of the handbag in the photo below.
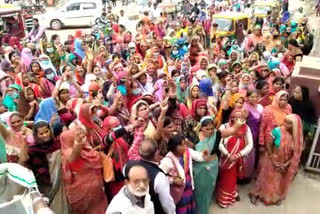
(176, 191)
(107, 165)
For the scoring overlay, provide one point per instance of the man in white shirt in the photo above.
(155, 13)
(159, 183)
(123, 20)
(133, 198)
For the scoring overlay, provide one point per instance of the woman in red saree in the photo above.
(279, 167)
(81, 164)
(233, 149)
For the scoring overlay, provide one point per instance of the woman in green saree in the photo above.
(206, 173)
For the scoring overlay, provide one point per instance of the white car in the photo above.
(71, 14)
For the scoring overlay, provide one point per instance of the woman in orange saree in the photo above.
(281, 164)
(82, 166)
(273, 116)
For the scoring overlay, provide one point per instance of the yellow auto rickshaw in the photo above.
(231, 24)
(261, 8)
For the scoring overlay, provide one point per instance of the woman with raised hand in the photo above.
(82, 164)
(233, 148)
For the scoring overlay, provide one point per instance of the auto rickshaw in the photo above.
(261, 8)
(231, 24)
(11, 25)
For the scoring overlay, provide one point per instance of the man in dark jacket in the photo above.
(159, 184)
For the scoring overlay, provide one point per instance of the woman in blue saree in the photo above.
(206, 173)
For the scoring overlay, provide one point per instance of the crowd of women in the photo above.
(68, 106)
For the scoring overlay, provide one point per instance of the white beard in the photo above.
(138, 193)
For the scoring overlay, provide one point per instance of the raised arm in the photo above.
(164, 108)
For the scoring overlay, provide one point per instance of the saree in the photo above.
(205, 176)
(17, 143)
(234, 145)
(181, 94)
(253, 121)
(229, 172)
(223, 115)
(119, 155)
(272, 117)
(3, 152)
(57, 196)
(191, 125)
(266, 100)
(186, 205)
(272, 185)
(82, 178)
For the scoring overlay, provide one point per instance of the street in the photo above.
(131, 11)
(303, 198)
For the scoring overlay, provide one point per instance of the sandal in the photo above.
(253, 199)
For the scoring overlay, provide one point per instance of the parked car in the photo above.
(71, 14)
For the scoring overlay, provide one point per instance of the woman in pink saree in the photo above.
(281, 164)
(82, 166)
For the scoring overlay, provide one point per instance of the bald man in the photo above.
(159, 184)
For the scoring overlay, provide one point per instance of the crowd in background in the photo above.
(166, 119)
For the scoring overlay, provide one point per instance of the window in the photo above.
(224, 24)
(89, 6)
(73, 7)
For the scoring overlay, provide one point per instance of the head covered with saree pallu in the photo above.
(208, 142)
(278, 112)
(196, 104)
(134, 109)
(120, 147)
(244, 87)
(23, 104)
(235, 144)
(243, 130)
(189, 94)
(297, 134)
(151, 127)
(87, 118)
(181, 94)
(232, 101)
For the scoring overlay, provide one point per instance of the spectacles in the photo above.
(145, 181)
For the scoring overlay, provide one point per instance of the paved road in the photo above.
(303, 198)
